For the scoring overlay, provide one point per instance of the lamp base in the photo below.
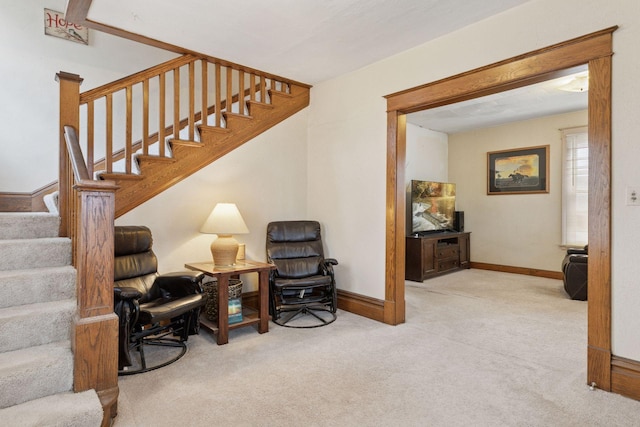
(224, 250)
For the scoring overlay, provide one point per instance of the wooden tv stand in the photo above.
(433, 254)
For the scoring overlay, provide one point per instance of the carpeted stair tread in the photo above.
(35, 372)
(62, 409)
(28, 225)
(19, 287)
(35, 324)
(37, 306)
(21, 254)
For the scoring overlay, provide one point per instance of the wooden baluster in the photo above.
(218, 90)
(109, 136)
(176, 103)
(252, 87)
(90, 137)
(229, 98)
(263, 89)
(128, 131)
(205, 88)
(192, 99)
(241, 92)
(161, 113)
(145, 117)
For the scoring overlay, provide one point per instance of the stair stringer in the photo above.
(158, 175)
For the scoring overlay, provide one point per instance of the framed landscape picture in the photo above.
(518, 171)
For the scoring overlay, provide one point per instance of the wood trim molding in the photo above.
(26, 202)
(523, 70)
(15, 202)
(394, 309)
(594, 49)
(625, 377)
(517, 270)
(361, 305)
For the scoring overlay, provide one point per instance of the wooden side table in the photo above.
(222, 274)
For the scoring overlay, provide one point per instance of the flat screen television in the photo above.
(433, 205)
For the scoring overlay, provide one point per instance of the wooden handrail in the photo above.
(75, 154)
(123, 83)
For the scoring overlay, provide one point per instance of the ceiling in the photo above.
(538, 100)
(304, 40)
(311, 41)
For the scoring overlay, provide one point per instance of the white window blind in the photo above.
(575, 186)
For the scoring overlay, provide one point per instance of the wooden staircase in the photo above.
(218, 107)
(245, 104)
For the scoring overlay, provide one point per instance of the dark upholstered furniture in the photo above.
(303, 281)
(153, 309)
(574, 269)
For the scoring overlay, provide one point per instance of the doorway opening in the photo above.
(595, 51)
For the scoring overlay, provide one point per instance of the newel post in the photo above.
(95, 337)
(69, 116)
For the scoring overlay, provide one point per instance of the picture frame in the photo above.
(518, 171)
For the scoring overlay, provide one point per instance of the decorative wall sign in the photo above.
(518, 171)
(55, 25)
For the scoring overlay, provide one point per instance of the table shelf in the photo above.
(250, 317)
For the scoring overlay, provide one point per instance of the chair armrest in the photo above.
(327, 266)
(180, 283)
(576, 252)
(127, 293)
(581, 259)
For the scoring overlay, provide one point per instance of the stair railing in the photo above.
(184, 92)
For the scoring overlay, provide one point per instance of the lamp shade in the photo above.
(225, 219)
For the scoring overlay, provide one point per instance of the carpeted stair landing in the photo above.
(37, 305)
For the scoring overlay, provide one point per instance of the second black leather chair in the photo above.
(303, 281)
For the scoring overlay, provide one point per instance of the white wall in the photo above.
(520, 230)
(29, 107)
(347, 137)
(427, 160)
(427, 154)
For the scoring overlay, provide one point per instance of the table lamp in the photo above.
(225, 220)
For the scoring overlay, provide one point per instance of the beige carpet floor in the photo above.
(479, 348)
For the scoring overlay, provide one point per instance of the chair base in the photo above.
(142, 363)
(303, 311)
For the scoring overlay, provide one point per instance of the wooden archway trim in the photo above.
(594, 49)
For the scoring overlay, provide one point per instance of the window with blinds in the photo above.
(575, 186)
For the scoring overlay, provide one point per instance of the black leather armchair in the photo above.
(303, 281)
(153, 309)
(575, 269)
